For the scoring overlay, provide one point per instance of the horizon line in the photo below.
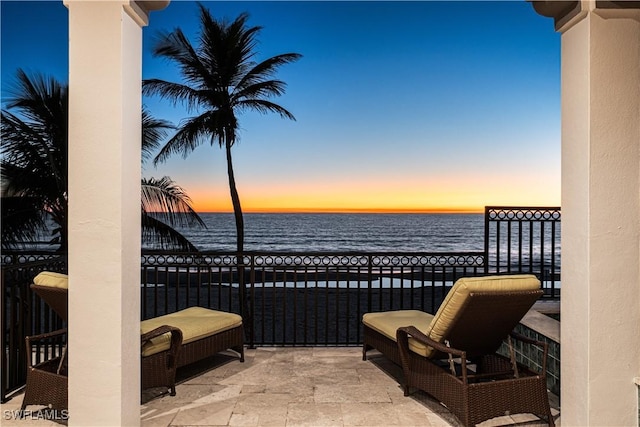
(355, 210)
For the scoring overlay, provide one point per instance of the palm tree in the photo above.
(34, 161)
(220, 80)
(34, 170)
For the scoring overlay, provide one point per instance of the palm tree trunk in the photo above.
(235, 200)
(237, 212)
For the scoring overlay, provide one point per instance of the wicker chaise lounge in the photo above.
(453, 355)
(47, 382)
(202, 333)
(167, 342)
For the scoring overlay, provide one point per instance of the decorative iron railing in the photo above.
(302, 298)
(294, 298)
(524, 240)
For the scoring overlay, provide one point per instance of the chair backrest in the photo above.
(479, 312)
(53, 288)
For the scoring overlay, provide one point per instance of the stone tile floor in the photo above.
(293, 387)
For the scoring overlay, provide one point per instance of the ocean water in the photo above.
(368, 232)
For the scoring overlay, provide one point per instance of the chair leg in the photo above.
(240, 350)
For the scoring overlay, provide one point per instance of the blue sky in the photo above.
(399, 105)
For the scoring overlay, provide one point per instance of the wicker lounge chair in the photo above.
(167, 342)
(47, 382)
(453, 355)
(202, 333)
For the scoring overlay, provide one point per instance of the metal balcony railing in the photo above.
(302, 298)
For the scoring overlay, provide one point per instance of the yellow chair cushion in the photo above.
(194, 322)
(388, 322)
(51, 279)
(441, 323)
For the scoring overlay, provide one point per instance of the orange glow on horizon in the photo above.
(347, 210)
(251, 203)
(453, 195)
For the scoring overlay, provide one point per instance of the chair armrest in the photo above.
(176, 340)
(402, 337)
(415, 333)
(31, 339)
(543, 345)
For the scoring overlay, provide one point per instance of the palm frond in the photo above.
(176, 47)
(187, 139)
(166, 200)
(227, 48)
(266, 68)
(164, 236)
(264, 106)
(153, 131)
(263, 89)
(22, 221)
(176, 93)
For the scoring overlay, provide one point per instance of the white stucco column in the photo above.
(105, 71)
(600, 303)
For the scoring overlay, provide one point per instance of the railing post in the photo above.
(3, 327)
(369, 281)
(251, 315)
(487, 210)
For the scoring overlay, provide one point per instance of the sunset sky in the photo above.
(400, 106)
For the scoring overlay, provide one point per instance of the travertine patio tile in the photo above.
(253, 388)
(369, 414)
(157, 421)
(300, 389)
(524, 418)
(337, 377)
(231, 392)
(336, 351)
(272, 419)
(350, 394)
(304, 358)
(314, 415)
(245, 368)
(280, 369)
(263, 403)
(351, 362)
(258, 355)
(375, 378)
(254, 375)
(407, 419)
(287, 387)
(212, 414)
(271, 408)
(444, 419)
(283, 355)
(244, 420)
